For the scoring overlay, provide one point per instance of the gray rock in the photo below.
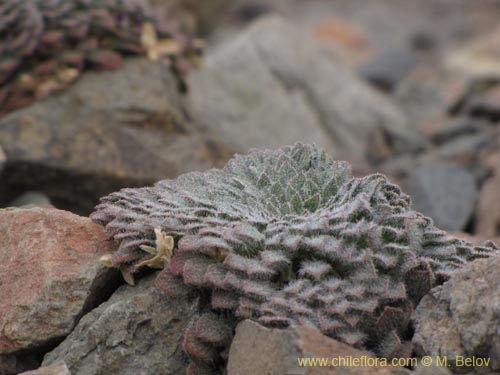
(445, 192)
(31, 199)
(256, 350)
(138, 331)
(461, 317)
(427, 95)
(435, 331)
(435, 369)
(272, 85)
(462, 126)
(465, 149)
(259, 350)
(109, 130)
(398, 168)
(389, 67)
(487, 215)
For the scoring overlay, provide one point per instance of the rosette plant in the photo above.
(285, 237)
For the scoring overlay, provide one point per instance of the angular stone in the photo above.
(260, 350)
(460, 318)
(137, 331)
(49, 276)
(58, 368)
(109, 130)
(464, 150)
(479, 59)
(435, 331)
(246, 12)
(487, 219)
(434, 369)
(427, 94)
(396, 169)
(485, 105)
(31, 199)
(445, 192)
(271, 86)
(459, 127)
(387, 68)
(347, 38)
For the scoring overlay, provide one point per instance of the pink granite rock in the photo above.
(49, 274)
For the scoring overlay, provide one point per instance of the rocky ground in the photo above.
(409, 89)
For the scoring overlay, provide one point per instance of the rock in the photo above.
(462, 126)
(389, 67)
(479, 59)
(350, 42)
(250, 10)
(461, 142)
(45, 48)
(460, 318)
(31, 199)
(487, 220)
(398, 168)
(109, 130)
(137, 331)
(272, 85)
(434, 369)
(49, 277)
(422, 40)
(445, 192)
(11, 364)
(8, 365)
(259, 350)
(427, 94)
(58, 368)
(464, 150)
(485, 105)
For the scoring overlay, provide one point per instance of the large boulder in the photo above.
(272, 85)
(444, 191)
(109, 130)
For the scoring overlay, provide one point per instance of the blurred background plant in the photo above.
(46, 44)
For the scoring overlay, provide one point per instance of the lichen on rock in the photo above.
(283, 237)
